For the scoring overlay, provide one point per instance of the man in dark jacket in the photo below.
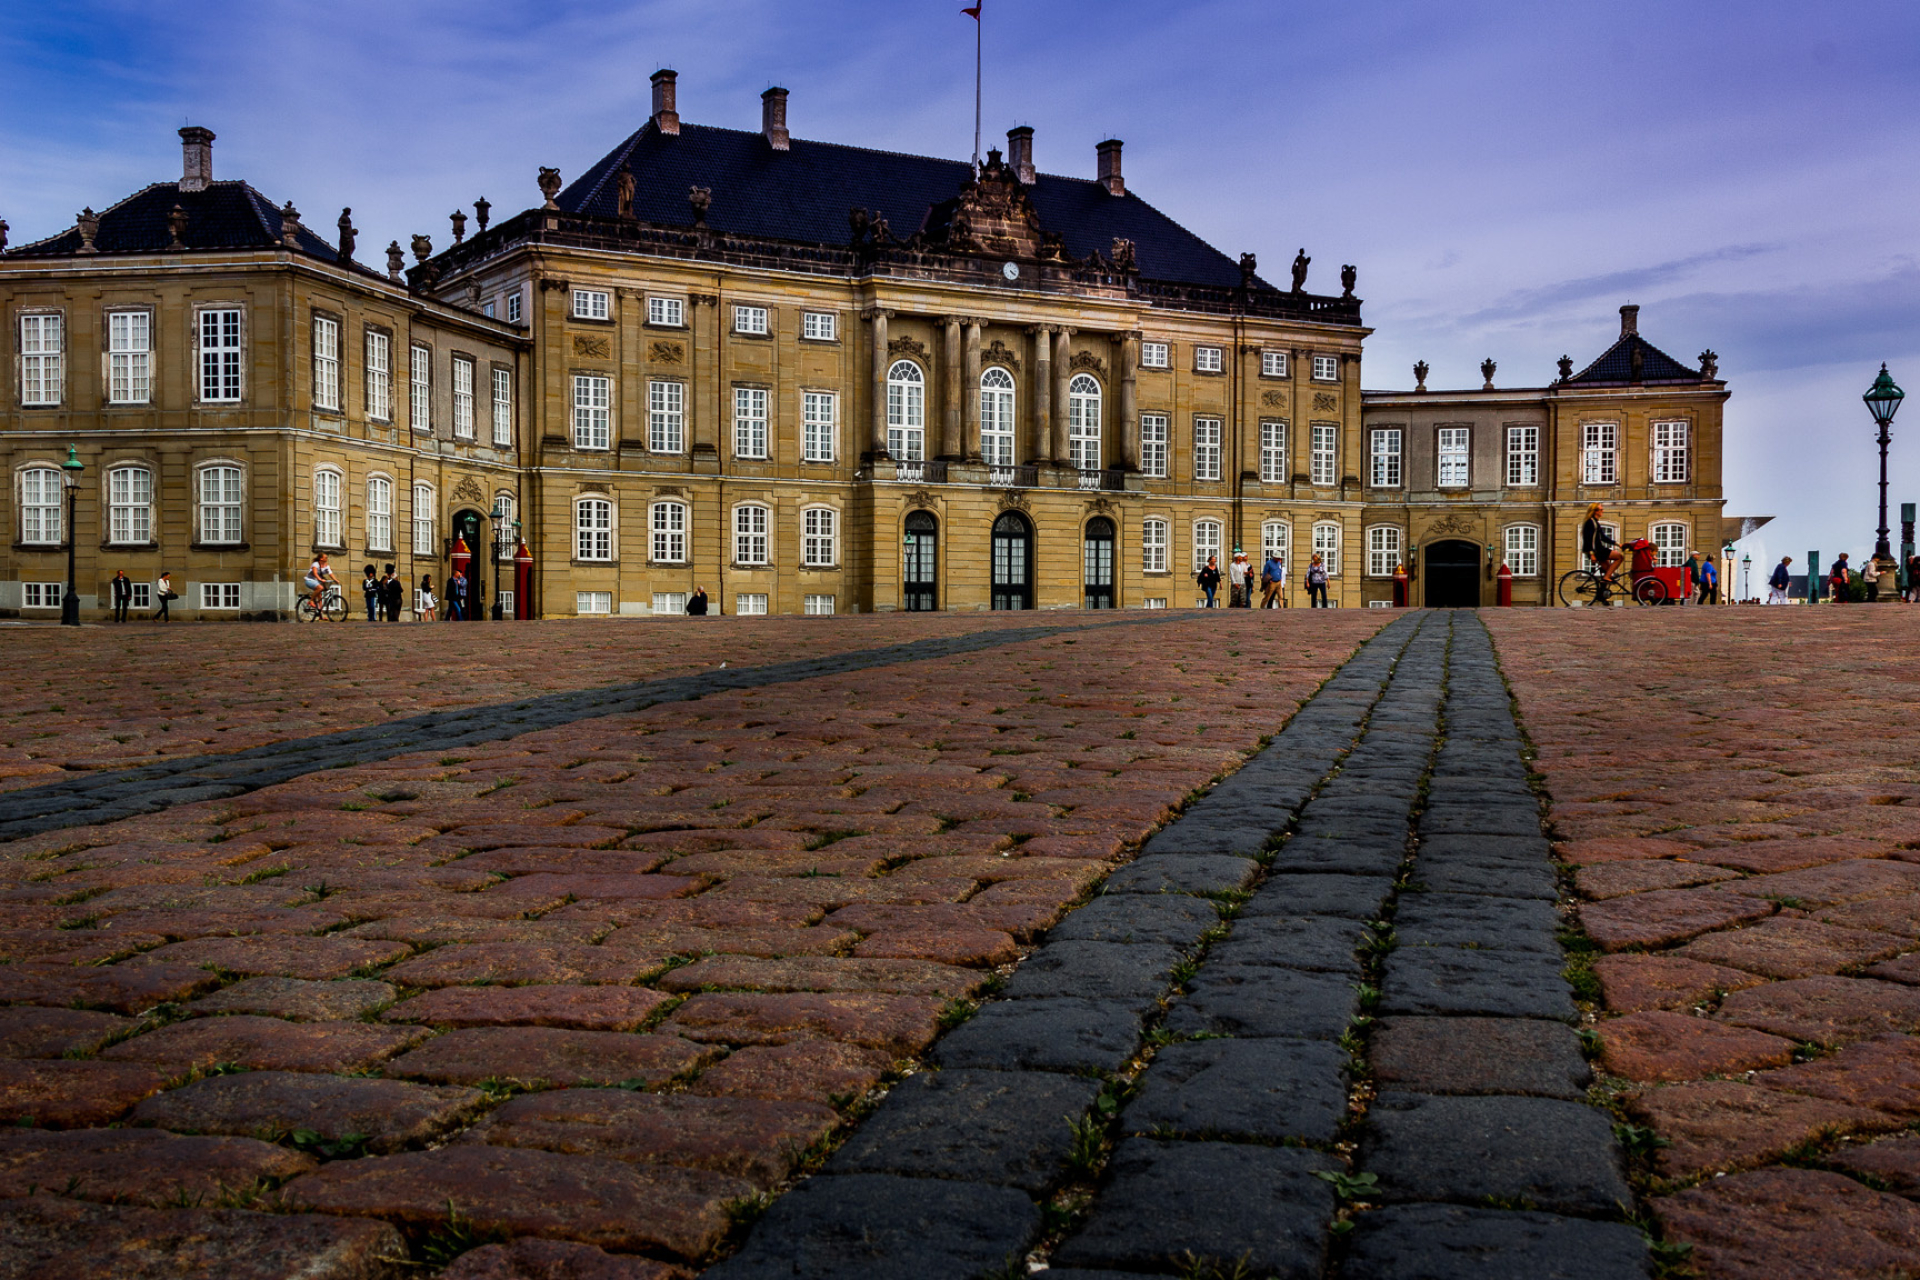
(697, 603)
(122, 594)
(370, 591)
(393, 594)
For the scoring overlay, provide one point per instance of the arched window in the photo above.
(326, 508)
(1153, 546)
(1326, 545)
(40, 505)
(593, 529)
(1011, 559)
(1383, 550)
(906, 412)
(222, 491)
(130, 506)
(423, 520)
(379, 513)
(669, 520)
(1671, 542)
(505, 541)
(1523, 550)
(750, 538)
(819, 537)
(1206, 542)
(1276, 540)
(996, 417)
(1083, 422)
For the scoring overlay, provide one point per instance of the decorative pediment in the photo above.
(469, 490)
(1087, 361)
(921, 498)
(907, 347)
(991, 216)
(586, 344)
(1014, 500)
(667, 352)
(1452, 524)
(997, 352)
(1100, 507)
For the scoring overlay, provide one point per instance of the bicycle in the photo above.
(1587, 587)
(332, 607)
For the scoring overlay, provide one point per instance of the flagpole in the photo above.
(979, 23)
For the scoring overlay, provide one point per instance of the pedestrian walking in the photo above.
(1870, 574)
(1837, 580)
(1709, 580)
(1317, 583)
(1692, 568)
(163, 592)
(1913, 578)
(370, 590)
(457, 596)
(1209, 580)
(1273, 581)
(122, 594)
(393, 594)
(697, 603)
(425, 607)
(1782, 579)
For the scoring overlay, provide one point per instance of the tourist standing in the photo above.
(1273, 577)
(1240, 575)
(1781, 580)
(425, 607)
(457, 596)
(1837, 580)
(392, 594)
(370, 591)
(162, 593)
(697, 603)
(1870, 574)
(1209, 580)
(1709, 580)
(1317, 583)
(122, 594)
(1692, 567)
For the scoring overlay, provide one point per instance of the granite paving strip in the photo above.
(1734, 794)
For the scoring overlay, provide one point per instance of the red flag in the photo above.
(973, 13)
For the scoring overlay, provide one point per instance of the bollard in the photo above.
(1813, 577)
(523, 583)
(1399, 586)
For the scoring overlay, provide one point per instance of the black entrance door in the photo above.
(1097, 555)
(1012, 562)
(1452, 571)
(918, 583)
(466, 527)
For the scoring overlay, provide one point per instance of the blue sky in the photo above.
(1504, 174)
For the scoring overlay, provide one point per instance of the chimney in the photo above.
(773, 118)
(196, 168)
(665, 118)
(1109, 153)
(1629, 321)
(1020, 154)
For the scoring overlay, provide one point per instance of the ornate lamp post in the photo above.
(1883, 401)
(499, 518)
(70, 477)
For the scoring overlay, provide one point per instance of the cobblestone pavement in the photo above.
(1738, 797)
(595, 990)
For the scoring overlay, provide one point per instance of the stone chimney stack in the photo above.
(1629, 321)
(196, 167)
(665, 118)
(1020, 154)
(773, 118)
(1109, 153)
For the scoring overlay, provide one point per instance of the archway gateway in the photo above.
(919, 584)
(1452, 572)
(1012, 562)
(1097, 563)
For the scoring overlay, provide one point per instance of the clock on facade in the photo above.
(1011, 271)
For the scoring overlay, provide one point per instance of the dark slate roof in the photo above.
(225, 215)
(803, 194)
(1616, 365)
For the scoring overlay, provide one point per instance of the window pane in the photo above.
(666, 429)
(1153, 444)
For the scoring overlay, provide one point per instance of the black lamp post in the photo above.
(70, 477)
(1883, 401)
(499, 517)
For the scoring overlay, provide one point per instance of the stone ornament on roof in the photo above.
(177, 229)
(1709, 362)
(422, 248)
(396, 260)
(1300, 264)
(1349, 274)
(289, 225)
(89, 224)
(625, 188)
(549, 186)
(347, 234)
(1487, 368)
(1566, 367)
(700, 199)
(481, 211)
(459, 220)
(1420, 376)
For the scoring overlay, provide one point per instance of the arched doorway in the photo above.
(1097, 562)
(919, 585)
(468, 526)
(1452, 572)
(1012, 562)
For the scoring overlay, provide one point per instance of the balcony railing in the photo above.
(920, 472)
(1013, 477)
(1103, 480)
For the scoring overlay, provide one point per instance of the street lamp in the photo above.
(1746, 577)
(499, 517)
(1883, 401)
(70, 479)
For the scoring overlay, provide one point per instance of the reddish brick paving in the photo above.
(584, 992)
(1739, 792)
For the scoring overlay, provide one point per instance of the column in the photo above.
(949, 447)
(1040, 439)
(1062, 353)
(968, 442)
(701, 400)
(879, 316)
(1126, 359)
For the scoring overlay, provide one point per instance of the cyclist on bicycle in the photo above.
(319, 577)
(1596, 540)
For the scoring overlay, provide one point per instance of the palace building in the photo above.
(808, 377)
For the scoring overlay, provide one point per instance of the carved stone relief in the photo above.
(1452, 524)
(1325, 401)
(667, 352)
(921, 498)
(589, 345)
(907, 347)
(1273, 399)
(1088, 361)
(1014, 500)
(997, 352)
(469, 490)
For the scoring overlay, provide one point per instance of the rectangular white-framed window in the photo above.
(326, 509)
(750, 320)
(592, 603)
(818, 606)
(1670, 544)
(819, 426)
(1383, 550)
(666, 417)
(503, 408)
(1670, 454)
(1599, 453)
(749, 422)
(142, 596)
(1383, 457)
(219, 595)
(1523, 550)
(1206, 544)
(819, 538)
(462, 398)
(43, 346)
(1153, 445)
(423, 521)
(1326, 545)
(1154, 355)
(221, 355)
(1326, 368)
(41, 518)
(420, 387)
(379, 375)
(1273, 451)
(1523, 457)
(669, 523)
(592, 411)
(380, 514)
(513, 307)
(42, 595)
(506, 602)
(819, 326)
(1276, 540)
(326, 364)
(750, 536)
(487, 310)
(1323, 454)
(669, 603)
(1451, 457)
(668, 312)
(130, 506)
(222, 491)
(1153, 546)
(750, 604)
(590, 304)
(1273, 364)
(1206, 448)
(129, 357)
(593, 529)
(1207, 360)
(1154, 602)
